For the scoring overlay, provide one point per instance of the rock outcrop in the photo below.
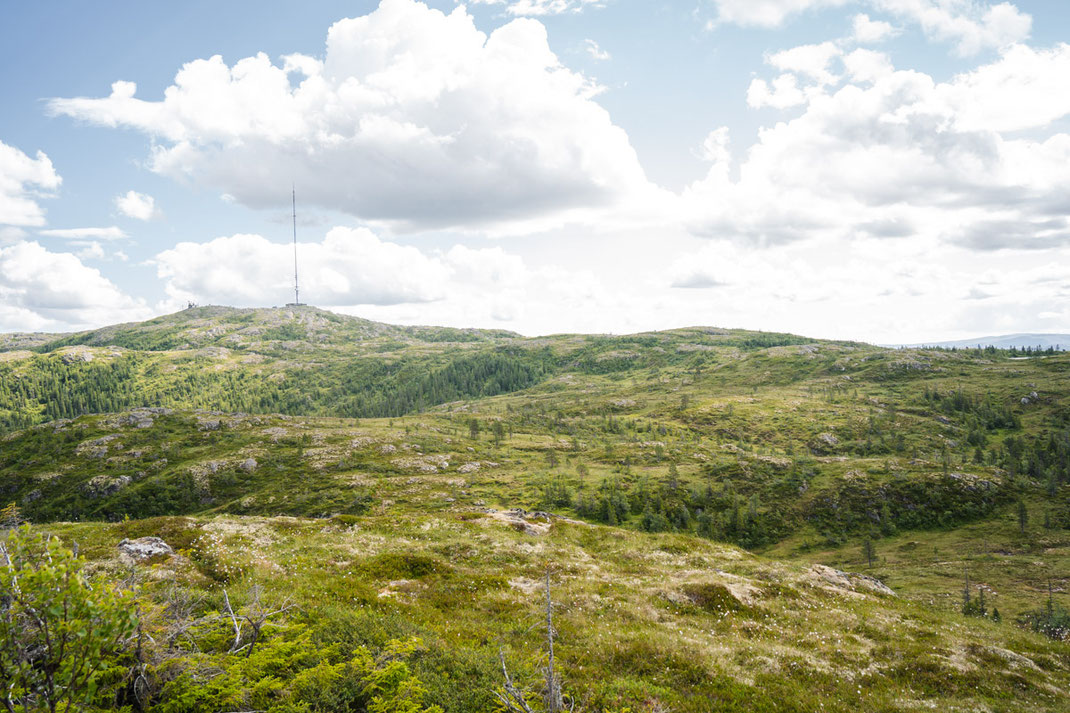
(830, 578)
(144, 548)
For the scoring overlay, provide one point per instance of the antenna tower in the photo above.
(297, 293)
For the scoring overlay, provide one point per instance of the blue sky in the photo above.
(888, 170)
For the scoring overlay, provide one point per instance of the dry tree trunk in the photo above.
(553, 700)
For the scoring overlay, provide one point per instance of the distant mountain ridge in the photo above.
(1060, 342)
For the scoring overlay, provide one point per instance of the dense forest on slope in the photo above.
(47, 387)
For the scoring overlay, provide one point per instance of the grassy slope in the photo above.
(645, 618)
(642, 619)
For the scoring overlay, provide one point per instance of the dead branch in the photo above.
(513, 698)
(553, 699)
(234, 619)
(256, 616)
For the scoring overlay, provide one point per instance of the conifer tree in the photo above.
(868, 551)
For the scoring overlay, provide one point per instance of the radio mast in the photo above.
(297, 293)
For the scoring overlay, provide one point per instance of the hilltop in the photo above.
(306, 361)
(260, 329)
(735, 520)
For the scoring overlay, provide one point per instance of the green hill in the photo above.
(722, 510)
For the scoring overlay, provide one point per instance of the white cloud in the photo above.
(810, 60)
(414, 118)
(715, 147)
(879, 290)
(1025, 89)
(22, 181)
(42, 290)
(864, 65)
(867, 31)
(595, 51)
(348, 267)
(784, 92)
(902, 154)
(110, 233)
(136, 205)
(355, 272)
(973, 25)
(808, 69)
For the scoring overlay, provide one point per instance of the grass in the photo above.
(394, 527)
(673, 619)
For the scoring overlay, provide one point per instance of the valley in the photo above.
(731, 520)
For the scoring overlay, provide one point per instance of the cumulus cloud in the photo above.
(864, 65)
(110, 233)
(22, 181)
(414, 118)
(348, 267)
(136, 205)
(782, 93)
(812, 61)
(41, 290)
(356, 272)
(972, 25)
(1025, 89)
(867, 31)
(898, 148)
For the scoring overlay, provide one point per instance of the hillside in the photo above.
(305, 361)
(706, 499)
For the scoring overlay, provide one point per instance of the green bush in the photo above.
(290, 674)
(60, 637)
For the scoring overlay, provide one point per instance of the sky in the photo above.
(892, 171)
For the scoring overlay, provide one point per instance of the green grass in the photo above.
(758, 455)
